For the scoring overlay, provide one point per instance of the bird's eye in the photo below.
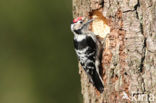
(81, 22)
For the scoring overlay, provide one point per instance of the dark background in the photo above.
(37, 60)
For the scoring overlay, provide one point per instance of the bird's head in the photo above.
(79, 24)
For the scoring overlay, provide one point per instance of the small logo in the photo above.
(125, 96)
(135, 96)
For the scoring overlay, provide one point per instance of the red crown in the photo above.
(77, 19)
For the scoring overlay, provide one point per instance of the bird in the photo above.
(87, 48)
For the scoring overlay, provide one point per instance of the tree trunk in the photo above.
(129, 55)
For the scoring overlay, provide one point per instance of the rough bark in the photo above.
(129, 57)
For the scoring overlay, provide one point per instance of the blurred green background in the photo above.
(37, 60)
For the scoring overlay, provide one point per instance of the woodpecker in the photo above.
(88, 51)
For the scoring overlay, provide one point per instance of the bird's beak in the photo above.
(89, 21)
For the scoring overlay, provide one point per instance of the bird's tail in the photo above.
(97, 81)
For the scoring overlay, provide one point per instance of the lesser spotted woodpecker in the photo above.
(87, 49)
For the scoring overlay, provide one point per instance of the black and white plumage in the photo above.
(88, 51)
